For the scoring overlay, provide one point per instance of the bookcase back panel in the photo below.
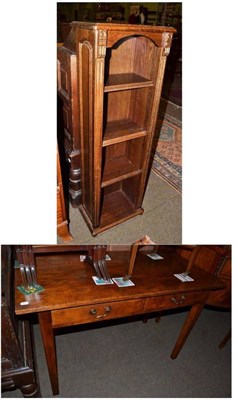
(145, 56)
(118, 104)
(128, 104)
(122, 50)
(121, 161)
(137, 54)
(116, 150)
(131, 150)
(118, 201)
(111, 189)
(128, 188)
(139, 107)
(134, 151)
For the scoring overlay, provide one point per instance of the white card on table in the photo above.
(121, 282)
(155, 256)
(102, 281)
(184, 278)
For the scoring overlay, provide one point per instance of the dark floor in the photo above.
(133, 359)
(172, 87)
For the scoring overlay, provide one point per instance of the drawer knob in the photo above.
(178, 301)
(174, 300)
(93, 311)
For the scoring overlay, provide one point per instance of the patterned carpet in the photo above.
(167, 155)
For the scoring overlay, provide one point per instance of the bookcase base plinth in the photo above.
(103, 227)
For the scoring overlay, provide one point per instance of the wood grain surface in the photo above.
(68, 281)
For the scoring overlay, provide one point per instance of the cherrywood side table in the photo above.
(72, 298)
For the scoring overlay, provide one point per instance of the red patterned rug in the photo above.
(167, 155)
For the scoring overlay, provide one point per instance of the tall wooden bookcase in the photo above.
(120, 70)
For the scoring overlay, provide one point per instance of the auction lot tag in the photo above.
(184, 278)
(102, 281)
(121, 282)
(155, 256)
(32, 290)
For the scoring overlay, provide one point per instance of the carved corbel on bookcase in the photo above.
(166, 43)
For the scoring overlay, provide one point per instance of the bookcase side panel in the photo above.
(85, 74)
(131, 189)
(68, 138)
(154, 100)
(100, 37)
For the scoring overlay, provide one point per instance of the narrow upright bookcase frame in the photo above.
(120, 70)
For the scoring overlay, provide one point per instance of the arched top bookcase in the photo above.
(120, 69)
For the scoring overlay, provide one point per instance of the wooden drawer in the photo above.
(173, 301)
(97, 312)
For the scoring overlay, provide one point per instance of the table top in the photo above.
(68, 282)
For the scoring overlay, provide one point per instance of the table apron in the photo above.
(117, 309)
(174, 301)
(96, 312)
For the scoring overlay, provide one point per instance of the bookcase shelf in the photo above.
(121, 130)
(122, 160)
(126, 81)
(119, 206)
(119, 202)
(120, 70)
(112, 172)
(118, 169)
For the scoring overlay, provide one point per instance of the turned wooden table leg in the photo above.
(187, 327)
(49, 348)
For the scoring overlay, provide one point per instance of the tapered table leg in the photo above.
(49, 348)
(225, 340)
(187, 327)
